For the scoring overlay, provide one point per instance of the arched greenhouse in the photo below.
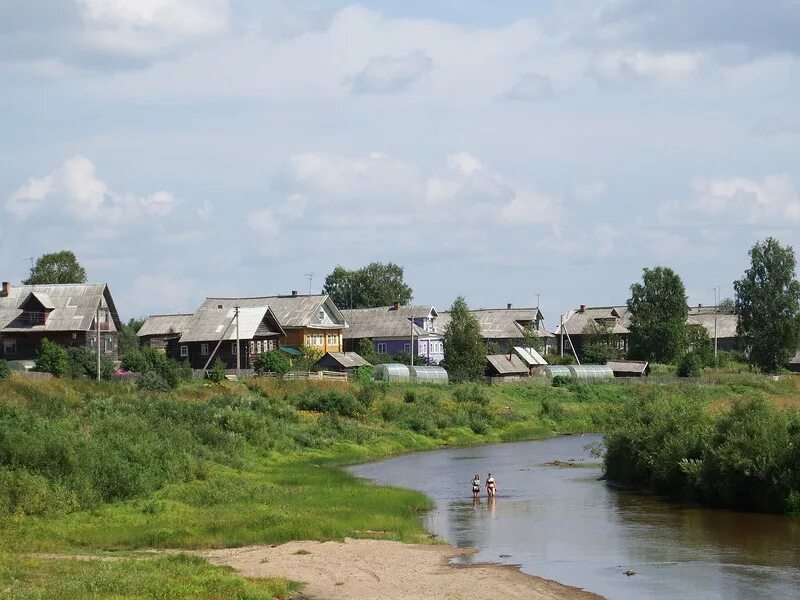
(392, 373)
(428, 374)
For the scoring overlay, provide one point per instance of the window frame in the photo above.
(380, 347)
(184, 351)
(204, 349)
(10, 343)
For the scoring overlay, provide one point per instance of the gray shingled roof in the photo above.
(291, 311)
(726, 322)
(73, 306)
(576, 321)
(796, 359)
(628, 366)
(213, 324)
(348, 360)
(163, 325)
(502, 323)
(508, 364)
(385, 322)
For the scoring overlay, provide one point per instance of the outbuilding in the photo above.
(794, 364)
(506, 366)
(629, 368)
(343, 362)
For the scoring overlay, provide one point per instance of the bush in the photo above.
(217, 372)
(329, 401)
(362, 374)
(551, 408)
(83, 363)
(5, 370)
(52, 359)
(273, 362)
(561, 380)
(148, 359)
(471, 392)
(153, 382)
(690, 365)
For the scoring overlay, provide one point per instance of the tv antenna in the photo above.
(310, 279)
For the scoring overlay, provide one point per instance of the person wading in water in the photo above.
(491, 486)
(476, 486)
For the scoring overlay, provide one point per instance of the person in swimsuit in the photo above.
(476, 486)
(491, 486)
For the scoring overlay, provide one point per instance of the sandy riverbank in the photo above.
(383, 570)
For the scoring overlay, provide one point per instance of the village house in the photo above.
(504, 328)
(716, 323)
(212, 333)
(394, 329)
(67, 314)
(157, 330)
(572, 331)
(309, 321)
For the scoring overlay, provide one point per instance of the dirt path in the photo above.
(381, 570)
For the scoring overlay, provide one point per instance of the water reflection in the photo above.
(564, 524)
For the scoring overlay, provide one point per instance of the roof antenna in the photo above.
(310, 279)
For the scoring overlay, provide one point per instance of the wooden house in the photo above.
(157, 330)
(345, 362)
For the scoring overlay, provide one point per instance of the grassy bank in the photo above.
(741, 452)
(88, 467)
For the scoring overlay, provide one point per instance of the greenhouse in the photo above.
(392, 373)
(591, 372)
(550, 371)
(426, 374)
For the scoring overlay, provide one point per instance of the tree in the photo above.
(273, 362)
(727, 306)
(658, 316)
(127, 336)
(464, 350)
(377, 284)
(57, 267)
(768, 305)
(599, 343)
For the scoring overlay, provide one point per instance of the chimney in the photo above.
(508, 306)
(583, 308)
(395, 305)
(6, 290)
(294, 292)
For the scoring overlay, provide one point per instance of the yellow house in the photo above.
(310, 321)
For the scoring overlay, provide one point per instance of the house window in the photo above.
(233, 348)
(319, 340)
(204, 349)
(321, 315)
(333, 339)
(184, 351)
(10, 345)
(309, 340)
(269, 345)
(423, 347)
(407, 348)
(109, 344)
(381, 346)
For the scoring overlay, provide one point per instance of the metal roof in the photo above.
(576, 321)
(386, 322)
(726, 322)
(503, 323)
(73, 306)
(290, 311)
(163, 325)
(529, 356)
(508, 364)
(347, 360)
(628, 366)
(213, 324)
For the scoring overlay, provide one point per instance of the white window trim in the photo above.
(184, 351)
(407, 347)
(10, 345)
(380, 347)
(204, 349)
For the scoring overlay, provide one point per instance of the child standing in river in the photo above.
(476, 486)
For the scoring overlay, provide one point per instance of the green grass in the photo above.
(174, 577)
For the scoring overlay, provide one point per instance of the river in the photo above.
(563, 523)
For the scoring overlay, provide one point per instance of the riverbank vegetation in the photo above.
(89, 467)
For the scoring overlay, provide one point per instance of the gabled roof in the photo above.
(530, 356)
(503, 323)
(214, 324)
(705, 316)
(291, 311)
(347, 360)
(638, 367)
(73, 306)
(386, 322)
(163, 325)
(576, 321)
(796, 359)
(507, 364)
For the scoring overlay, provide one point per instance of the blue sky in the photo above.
(185, 148)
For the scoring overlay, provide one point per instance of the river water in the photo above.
(563, 523)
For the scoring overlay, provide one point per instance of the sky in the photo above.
(505, 151)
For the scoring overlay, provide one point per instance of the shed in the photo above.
(629, 368)
(506, 365)
(530, 356)
(794, 364)
(341, 361)
(550, 371)
(392, 373)
(428, 374)
(591, 372)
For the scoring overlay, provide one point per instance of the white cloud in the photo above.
(75, 188)
(391, 74)
(594, 190)
(772, 201)
(530, 87)
(624, 68)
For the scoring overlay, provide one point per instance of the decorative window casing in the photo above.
(184, 351)
(381, 347)
(204, 349)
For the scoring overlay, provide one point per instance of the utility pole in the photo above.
(561, 331)
(412, 340)
(537, 299)
(716, 315)
(97, 332)
(310, 279)
(238, 348)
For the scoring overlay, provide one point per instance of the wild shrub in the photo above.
(362, 375)
(471, 392)
(5, 370)
(329, 401)
(52, 359)
(551, 408)
(410, 396)
(217, 372)
(690, 365)
(561, 380)
(83, 364)
(273, 362)
(153, 382)
(147, 359)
